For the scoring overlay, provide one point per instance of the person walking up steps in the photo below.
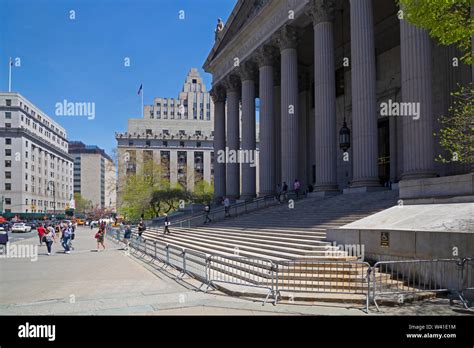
(227, 207)
(285, 191)
(296, 187)
(167, 224)
(127, 235)
(207, 209)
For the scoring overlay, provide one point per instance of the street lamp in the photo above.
(51, 182)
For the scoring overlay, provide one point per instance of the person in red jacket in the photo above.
(41, 231)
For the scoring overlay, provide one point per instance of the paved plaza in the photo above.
(111, 282)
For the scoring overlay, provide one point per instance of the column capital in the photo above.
(248, 71)
(232, 83)
(217, 93)
(321, 11)
(266, 55)
(287, 37)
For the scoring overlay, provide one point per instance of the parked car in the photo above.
(21, 227)
(80, 222)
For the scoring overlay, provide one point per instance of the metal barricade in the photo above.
(466, 282)
(330, 277)
(243, 272)
(402, 279)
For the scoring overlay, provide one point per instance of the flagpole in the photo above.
(142, 100)
(10, 74)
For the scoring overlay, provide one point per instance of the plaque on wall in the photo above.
(385, 239)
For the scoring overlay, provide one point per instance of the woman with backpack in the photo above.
(100, 236)
(48, 239)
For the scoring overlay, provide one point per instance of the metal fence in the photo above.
(243, 272)
(408, 279)
(399, 280)
(330, 277)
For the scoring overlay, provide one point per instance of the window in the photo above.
(182, 132)
(8, 152)
(198, 144)
(8, 186)
(8, 125)
(8, 115)
(9, 102)
(198, 132)
(181, 143)
(8, 164)
(166, 132)
(8, 141)
(8, 201)
(165, 143)
(194, 81)
(8, 175)
(130, 143)
(148, 143)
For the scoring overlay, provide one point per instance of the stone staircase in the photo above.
(310, 267)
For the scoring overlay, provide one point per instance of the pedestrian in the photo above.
(278, 193)
(207, 210)
(48, 239)
(141, 228)
(100, 236)
(227, 207)
(127, 235)
(285, 191)
(65, 239)
(167, 224)
(296, 187)
(41, 232)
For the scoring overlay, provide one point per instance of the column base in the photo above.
(365, 182)
(418, 175)
(363, 189)
(247, 196)
(325, 190)
(266, 193)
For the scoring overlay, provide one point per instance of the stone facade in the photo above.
(36, 169)
(331, 61)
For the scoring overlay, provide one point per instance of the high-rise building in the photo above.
(36, 168)
(177, 133)
(94, 175)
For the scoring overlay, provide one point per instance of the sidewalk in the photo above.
(87, 282)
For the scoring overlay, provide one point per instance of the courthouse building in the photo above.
(36, 168)
(322, 69)
(176, 133)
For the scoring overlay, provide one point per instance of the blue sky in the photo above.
(82, 60)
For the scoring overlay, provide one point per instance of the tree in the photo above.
(457, 131)
(203, 192)
(449, 22)
(81, 203)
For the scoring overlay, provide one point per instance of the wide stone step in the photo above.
(304, 249)
(237, 249)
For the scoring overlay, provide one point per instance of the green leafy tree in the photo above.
(81, 203)
(457, 131)
(448, 21)
(203, 192)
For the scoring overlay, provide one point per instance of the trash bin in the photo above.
(3, 237)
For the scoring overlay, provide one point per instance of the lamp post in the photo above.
(51, 182)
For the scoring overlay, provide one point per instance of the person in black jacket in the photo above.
(167, 224)
(207, 209)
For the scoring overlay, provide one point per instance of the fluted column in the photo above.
(418, 140)
(232, 141)
(277, 123)
(218, 96)
(248, 75)
(289, 105)
(322, 12)
(267, 122)
(364, 111)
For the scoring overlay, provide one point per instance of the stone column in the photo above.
(267, 182)
(233, 141)
(392, 127)
(322, 12)
(248, 75)
(277, 123)
(218, 96)
(190, 172)
(364, 110)
(289, 105)
(304, 101)
(418, 140)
